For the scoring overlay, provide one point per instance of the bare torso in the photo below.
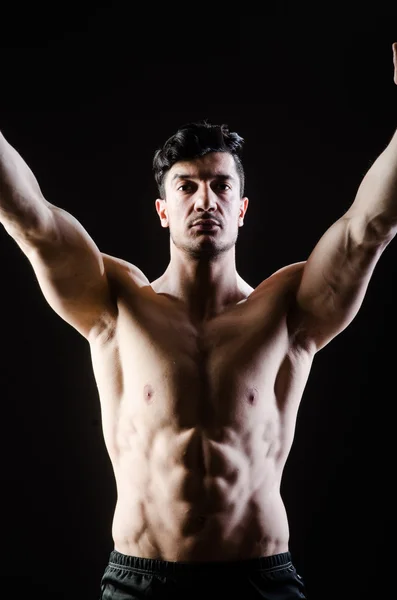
(198, 421)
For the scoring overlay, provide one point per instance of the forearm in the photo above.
(376, 200)
(23, 207)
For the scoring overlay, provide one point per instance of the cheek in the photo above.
(176, 221)
(232, 217)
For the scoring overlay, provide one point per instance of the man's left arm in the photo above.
(337, 273)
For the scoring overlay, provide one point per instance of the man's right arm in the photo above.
(68, 265)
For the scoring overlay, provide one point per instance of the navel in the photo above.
(148, 393)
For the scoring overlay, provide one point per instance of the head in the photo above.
(200, 178)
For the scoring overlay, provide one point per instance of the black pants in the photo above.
(133, 578)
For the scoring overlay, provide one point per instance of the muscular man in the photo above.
(200, 376)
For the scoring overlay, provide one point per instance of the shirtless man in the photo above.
(199, 375)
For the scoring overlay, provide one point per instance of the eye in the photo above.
(184, 187)
(223, 187)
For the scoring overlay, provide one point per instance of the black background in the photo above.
(86, 96)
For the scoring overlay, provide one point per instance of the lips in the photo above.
(207, 224)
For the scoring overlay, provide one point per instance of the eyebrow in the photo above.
(188, 176)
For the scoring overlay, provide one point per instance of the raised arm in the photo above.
(68, 265)
(336, 274)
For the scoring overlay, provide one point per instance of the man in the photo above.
(199, 375)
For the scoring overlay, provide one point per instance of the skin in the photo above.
(199, 375)
(200, 433)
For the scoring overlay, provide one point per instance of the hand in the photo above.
(395, 61)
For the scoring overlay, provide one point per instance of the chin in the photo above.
(209, 249)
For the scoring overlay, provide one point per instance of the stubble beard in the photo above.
(203, 249)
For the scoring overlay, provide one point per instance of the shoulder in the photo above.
(291, 270)
(118, 269)
(287, 277)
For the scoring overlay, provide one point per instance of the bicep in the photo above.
(335, 279)
(70, 271)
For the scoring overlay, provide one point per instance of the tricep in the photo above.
(69, 268)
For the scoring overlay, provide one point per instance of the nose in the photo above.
(205, 199)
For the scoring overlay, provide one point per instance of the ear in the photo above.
(161, 209)
(242, 210)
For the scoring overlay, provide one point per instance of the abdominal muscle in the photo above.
(193, 495)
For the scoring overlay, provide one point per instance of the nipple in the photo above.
(252, 396)
(148, 393)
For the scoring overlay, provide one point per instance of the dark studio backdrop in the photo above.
(86, 98)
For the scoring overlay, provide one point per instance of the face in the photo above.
(203, 208)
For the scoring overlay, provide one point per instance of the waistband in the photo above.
(165, 567)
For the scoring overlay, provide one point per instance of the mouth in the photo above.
(206, 225)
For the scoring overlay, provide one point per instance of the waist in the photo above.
(198, 568)
(160, 528)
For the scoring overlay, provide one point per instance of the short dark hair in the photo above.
(194, 140)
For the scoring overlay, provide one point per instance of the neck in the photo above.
(205, 286)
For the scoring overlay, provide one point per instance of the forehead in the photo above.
(213, 164)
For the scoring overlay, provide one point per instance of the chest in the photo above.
(160, 371)
(236, 352)
(245, 332)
